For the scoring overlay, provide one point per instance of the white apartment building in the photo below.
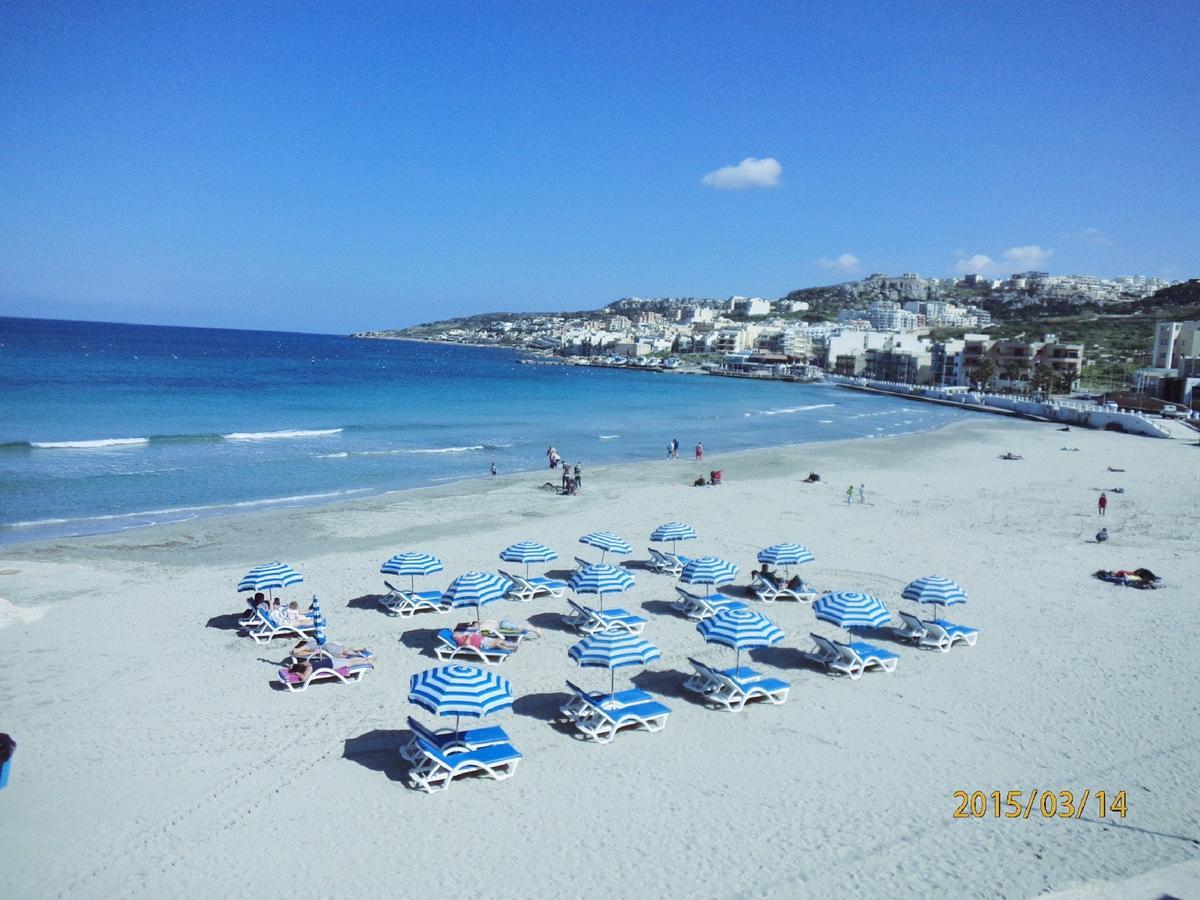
(751, 306)
(1173, 342)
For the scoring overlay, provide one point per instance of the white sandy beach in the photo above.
(154, 757)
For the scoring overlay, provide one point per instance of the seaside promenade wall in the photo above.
(1068, 412)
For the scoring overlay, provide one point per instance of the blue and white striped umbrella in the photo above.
(606, 542)
(477, 589)
(613, 650)
(527, 552)
(935, 589)
(601, 579)
(741, 629)
(673, 531)
(412, 564)
(269, 577)
(460, 691)
(785, 555)
(851, 609)
(708, 570)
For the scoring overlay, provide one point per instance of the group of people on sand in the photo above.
(673, 450)
(572, 478)
(283, 615)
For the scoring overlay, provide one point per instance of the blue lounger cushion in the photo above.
(870, 651)
(477, 737)
(953, 629)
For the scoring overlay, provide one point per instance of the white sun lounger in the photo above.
(732, 689)
(697, 608)
(769, 592)
(435, 769)
(853, 659)
(600, 724)
(575, 706)
(448, 648)
(955, 633)
(343, 674)
(408, 603)
(914, 631)
(664, 563)
(268, 629)
(590, 621)
(526, 589)
(450, 742)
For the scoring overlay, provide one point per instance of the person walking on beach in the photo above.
(566, 477)
(862, 493)
(578, 477)
(699, 451)
(849, 495)
(675, 448)
(493, 468)
(1102, 504)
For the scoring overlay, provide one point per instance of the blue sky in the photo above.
(331, 167)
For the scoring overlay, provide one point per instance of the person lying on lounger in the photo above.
(768, 576)
(308, 649)
(291, 615)
(482, 642)
(504, 628)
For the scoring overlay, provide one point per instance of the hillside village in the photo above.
(971, 331)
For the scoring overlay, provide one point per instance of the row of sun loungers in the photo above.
(406, 604)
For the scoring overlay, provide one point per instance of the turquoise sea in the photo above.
(105, 427)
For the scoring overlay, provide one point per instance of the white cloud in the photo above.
(979, 264)
(1029, 257)
(847, 262)
(750, 172)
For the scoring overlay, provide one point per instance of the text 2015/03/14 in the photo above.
(1046, 804)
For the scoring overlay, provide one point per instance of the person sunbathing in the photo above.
(308, 649)
(481, 641)
(291, 615)
(768, 576)
(506, 629)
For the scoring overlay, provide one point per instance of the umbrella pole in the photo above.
(612, 683)
(412, 584)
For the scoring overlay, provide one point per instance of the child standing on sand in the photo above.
(1102, 504)
(849, 495)
(699, 451)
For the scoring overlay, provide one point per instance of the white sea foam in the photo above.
(278, 435)
(608, 437)
(825, 421)
(89, 445)
(441, 449)
(341, 455)
(795, 409)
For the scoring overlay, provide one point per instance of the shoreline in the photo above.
(238, 509)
